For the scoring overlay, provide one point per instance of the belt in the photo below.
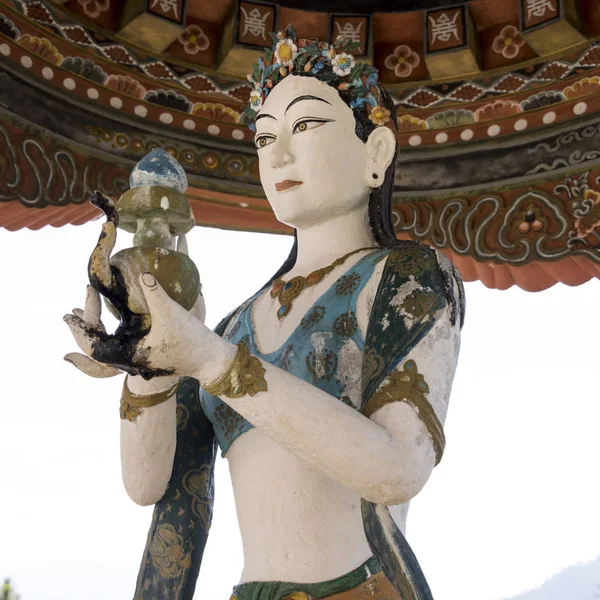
(334, 588)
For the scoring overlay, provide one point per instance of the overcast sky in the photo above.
(514, 500)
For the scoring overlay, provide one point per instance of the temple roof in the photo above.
(498, 113)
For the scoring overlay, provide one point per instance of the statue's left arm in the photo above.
(387, 453)
(385, 459)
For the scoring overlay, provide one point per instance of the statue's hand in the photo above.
(177, 344)
(91, 319)
(178, 341)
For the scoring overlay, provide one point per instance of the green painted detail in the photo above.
(277, 590)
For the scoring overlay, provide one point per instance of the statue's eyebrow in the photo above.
(306, 97)
(265, 115)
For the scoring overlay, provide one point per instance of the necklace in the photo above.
(287, 291)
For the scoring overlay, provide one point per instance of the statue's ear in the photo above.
(381, 147)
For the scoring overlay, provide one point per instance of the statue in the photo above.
(326, 390)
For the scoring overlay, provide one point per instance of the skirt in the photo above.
(367, 582)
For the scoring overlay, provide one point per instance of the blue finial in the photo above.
(159, 168)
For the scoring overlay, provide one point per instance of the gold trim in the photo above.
(132, 404)
(245, 375)
(410, 386)
(286, 292)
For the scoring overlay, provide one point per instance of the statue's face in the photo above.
(312, 164)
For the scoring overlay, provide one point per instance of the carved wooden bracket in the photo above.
(155, 24)
(450, 42)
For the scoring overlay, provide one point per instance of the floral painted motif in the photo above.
(379, 115)
(313, 317)
(402, 61)
(346, 324)
(194, 40)
(126, 85)
(182, 417)
(451, 118)
(412, 261)
(84, 67)
(373, 365)
(541, 100)
(322, 365)
(228, 419)
(419, 304)
(583, 87)
(285, 52)
(411, 123)
(589, 222)
(347, 284)
(497, 110)
(196, 482)
(8, 28)
(167, 552)
(215, 111)
(169, 99)
(94, 8)
(256, 99)
(530, 221)
(41, 47)
(343, 63)
(508, 42)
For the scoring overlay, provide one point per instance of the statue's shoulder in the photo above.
(413, 263)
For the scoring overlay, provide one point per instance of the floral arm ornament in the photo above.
(412, 346)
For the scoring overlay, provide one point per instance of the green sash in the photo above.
(181, 519)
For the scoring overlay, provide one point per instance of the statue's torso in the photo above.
(296, 523)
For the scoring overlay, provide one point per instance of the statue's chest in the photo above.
(323, 345)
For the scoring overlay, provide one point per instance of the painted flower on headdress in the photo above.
(256, 99)
(379, 115)
(342, 64)
(285, 52)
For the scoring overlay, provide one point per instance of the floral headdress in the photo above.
(331, 63)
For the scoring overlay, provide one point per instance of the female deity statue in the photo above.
(326, 390)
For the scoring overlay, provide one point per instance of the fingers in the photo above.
(93, 308)
(78, 313)
(83, 336)
(182, 245)
(160, 306)
(90, 366)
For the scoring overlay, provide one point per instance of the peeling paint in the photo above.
(349, 371)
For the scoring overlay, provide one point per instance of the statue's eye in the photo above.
(263, 140)
(309, 124)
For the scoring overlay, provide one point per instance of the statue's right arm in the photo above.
(148, 442)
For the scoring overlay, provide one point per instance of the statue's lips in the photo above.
(288, 183)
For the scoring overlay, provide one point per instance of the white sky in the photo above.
(514, 500)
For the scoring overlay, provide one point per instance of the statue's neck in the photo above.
(321, 244)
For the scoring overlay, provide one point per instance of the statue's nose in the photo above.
(280, 159)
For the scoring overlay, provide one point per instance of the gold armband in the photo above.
(132, 404)
(245, 375)
(410, 386)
